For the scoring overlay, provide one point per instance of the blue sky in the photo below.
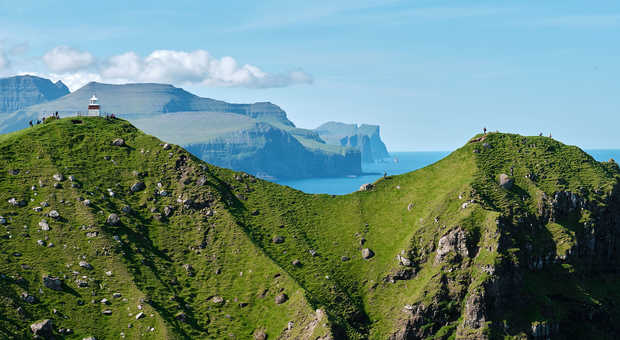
(431, 73)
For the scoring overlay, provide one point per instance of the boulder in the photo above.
(42, 329)
(139, 186)
(277, 239)
(260, 334)
(113, 219)
(218, 300)
(166, 146)
(296, 263)
(366, 187)
(505, 181)
(139, 316)
(344, 258)
(168, 210)
(118, 142)
(107, 312)
(54, 214)
(126, 209)
(282, 298)
(2, 220)
(58, 177)
(86, 202)
(52, 282)
(16, 203)
(367, 253)
(89, 338)
(86, 265)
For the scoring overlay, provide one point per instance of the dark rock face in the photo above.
(365, 138)
(20, 92)
(271, 152)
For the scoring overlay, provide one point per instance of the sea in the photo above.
(399, 163)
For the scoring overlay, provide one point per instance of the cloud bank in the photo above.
(67, 59)
(76, 68)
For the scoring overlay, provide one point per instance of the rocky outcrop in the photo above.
(453, 244)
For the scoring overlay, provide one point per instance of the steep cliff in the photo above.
(365, 138)
(19, 92)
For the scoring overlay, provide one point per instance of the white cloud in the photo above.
(67, 59)
(182, 68)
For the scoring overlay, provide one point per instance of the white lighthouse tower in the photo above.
(93, 107)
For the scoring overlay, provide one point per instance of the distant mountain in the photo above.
(257, 138)
(365, 138)
(148, 99)
(19, 92)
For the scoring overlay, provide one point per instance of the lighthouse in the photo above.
(93, 107)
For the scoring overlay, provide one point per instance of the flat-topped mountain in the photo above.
(19, 92)
(108, 231)
(365, 138)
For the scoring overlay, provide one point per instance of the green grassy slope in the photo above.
(451, 247)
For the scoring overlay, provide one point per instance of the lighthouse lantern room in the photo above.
(93, 107)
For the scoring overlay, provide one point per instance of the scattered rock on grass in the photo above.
(54, 214)
(139, 186)
(118, 142)
(505, 181)
(282, 298)
(42, 329)
(367, 253)
(113, 219)
(52, 282)
(86, 265)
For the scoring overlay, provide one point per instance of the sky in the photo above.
(430, 73)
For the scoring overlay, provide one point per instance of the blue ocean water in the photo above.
(407, 161)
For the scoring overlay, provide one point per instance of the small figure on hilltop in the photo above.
(540, 134)
(550, 135)
(57, 115)
(30, 123)
(484, 129)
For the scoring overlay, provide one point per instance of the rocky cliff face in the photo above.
(365, 138)
(19, 92)
(259, 150)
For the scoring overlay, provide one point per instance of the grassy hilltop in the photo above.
(204, 252)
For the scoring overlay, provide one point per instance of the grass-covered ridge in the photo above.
(205, 252)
